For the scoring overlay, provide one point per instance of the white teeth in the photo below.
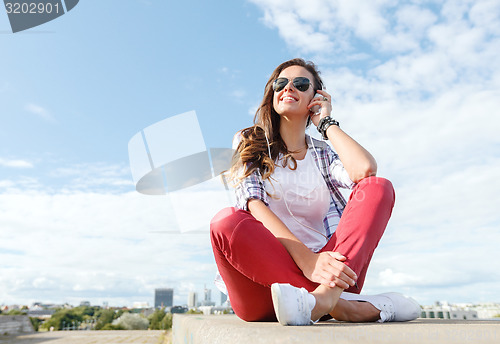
(288, 98)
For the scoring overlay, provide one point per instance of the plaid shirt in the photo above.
(332, 170)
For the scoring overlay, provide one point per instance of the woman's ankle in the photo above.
(354, 311)
(326, 300)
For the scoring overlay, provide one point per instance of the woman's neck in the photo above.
(293, 134)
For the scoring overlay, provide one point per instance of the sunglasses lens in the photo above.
(301, 83)
(279, 84)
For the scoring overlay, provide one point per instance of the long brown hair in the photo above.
(252, 151)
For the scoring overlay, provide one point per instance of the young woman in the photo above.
(293, 249)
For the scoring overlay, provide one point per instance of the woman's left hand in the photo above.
(325, 103)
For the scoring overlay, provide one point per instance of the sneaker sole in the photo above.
(276, 295)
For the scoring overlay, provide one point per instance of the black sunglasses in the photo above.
(301, 83)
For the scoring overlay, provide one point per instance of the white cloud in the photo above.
(15, 163)
(389, 278)
(296, 23)
(324, 27)
(414, 19)
(6, 184)
(54, 177)
(238, 94)
(90, 176)
(40, 112)
(21, 184)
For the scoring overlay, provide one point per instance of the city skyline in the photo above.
(218, 300)
(416, 83)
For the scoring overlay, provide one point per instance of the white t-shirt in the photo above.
(300, 198)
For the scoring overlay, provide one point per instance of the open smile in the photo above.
(288, 98)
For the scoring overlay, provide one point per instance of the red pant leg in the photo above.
(250, 259)
(362, 225)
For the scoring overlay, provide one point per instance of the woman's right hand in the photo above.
(328, 268)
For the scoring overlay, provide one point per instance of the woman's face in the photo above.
(291, 102)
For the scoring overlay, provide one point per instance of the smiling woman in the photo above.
(293, 245)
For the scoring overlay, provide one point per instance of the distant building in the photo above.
(164, 297)
(487, 310)
(85, 304)
(207, 310)
(140, 305)
(40, 305)
(147, 312)
(41, 313)
(207, 301)
(444, 310)
(192, 299)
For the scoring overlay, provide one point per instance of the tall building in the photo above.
(164, 297)
(208, 295)
(207, 301)
(192, 299)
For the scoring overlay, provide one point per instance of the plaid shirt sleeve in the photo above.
(251, 187)
(340, 177)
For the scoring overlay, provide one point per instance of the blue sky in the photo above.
(416, 82)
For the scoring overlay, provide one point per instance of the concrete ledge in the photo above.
(15, 324)
(89, 337)
(220, 329)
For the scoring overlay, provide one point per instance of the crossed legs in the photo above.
(250, 258)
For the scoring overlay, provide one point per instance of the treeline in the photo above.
(107, 319)
(96, 318)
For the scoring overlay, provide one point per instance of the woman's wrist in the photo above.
(323, 125)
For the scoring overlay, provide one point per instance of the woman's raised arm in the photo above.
(357, 161)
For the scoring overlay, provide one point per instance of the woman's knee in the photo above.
(222, 220)
(226, 220)
(378, 187)
(222, 216)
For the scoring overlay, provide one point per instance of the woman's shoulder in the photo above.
(318, 143)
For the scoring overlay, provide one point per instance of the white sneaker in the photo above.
(392, 306)
(292, 305)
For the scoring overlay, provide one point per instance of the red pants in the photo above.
(250, 258)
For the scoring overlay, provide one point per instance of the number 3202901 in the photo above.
(31, 8)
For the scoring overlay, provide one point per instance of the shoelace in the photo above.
(387, 310)
(303, 303)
